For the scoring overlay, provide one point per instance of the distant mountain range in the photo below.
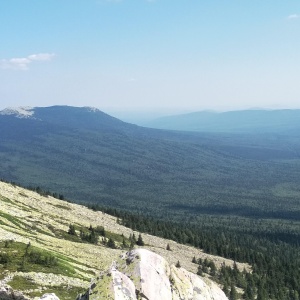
(232, 121)
(89, 156)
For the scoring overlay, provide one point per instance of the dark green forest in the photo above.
(96, 158)
(236, 195)
(271, 247)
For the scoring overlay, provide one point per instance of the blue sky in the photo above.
(159, 55)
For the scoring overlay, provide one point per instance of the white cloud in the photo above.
(22, 63)
(41, 56)
(293, 16)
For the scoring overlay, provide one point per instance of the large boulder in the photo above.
(142, 274)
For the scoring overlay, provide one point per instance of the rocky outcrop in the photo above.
(142, 274)
(7, 293)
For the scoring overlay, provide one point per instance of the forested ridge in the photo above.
(92, 157)
(233, 195)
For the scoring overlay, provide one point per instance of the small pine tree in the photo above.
(132, 243)
(134, 238)
(233, 293)
(124, 244)
(168, 247)
(178, 264)
(200, 271)
(194, 260)
(71, 230)
(140, 241)
(226, 289)
(93, 237)
(213, 269)
(111, 243)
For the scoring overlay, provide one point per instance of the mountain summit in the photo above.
(67, 116)
(19, 112)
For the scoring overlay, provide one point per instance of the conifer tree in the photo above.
(140, 241)
(111, 243)
(124, 245)
(71, 230)
(233, 293)
(226, 289)
(178, 264)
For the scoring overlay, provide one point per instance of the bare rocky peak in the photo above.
(91, 109)
(19, 112)
(142, 274)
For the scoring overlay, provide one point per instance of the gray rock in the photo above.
(142, 274)
(51, 296)
(7, 293)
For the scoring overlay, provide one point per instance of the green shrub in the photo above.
(40, 258)
(4, 258)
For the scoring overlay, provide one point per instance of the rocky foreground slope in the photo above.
(142, 274)
(31, 223)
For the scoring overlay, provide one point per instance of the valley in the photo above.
(230, 195)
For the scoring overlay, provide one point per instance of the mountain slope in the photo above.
(68, 116)
(31, 223)
(255, 121)
(141, 274)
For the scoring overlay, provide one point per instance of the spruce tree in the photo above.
(111, 243)
(71, 230)
(233, 293)
(178, 264)
(226, 289)
(140, 241)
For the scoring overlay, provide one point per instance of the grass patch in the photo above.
(13, 220)
(23, 194)
(61, 291)
(22, 206)
(62, 206)
(27, 258)
(3, 223)
(21, 283)
(102, 289)
(61, 234)
(4, 199)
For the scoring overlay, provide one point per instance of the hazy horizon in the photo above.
(142, 117)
